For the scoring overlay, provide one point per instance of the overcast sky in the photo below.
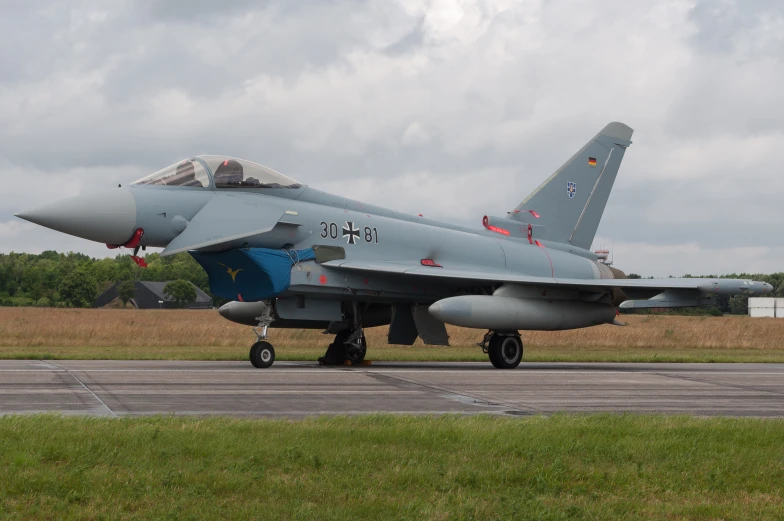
(450, 108)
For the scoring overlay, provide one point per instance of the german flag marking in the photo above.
(592, 161)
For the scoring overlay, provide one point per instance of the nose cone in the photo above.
(767, 288)
(108, 217)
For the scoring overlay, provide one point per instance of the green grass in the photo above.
(400, 353)
(392, 467)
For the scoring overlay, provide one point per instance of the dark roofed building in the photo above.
(149, 294)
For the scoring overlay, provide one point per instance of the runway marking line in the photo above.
(202, 391)
(92, 393)
(459, 395)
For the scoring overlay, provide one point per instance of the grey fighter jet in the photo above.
(292, 256)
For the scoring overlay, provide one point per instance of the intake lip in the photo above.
(108, 217)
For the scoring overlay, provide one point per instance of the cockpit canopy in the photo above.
(219, 172)
(185, 173)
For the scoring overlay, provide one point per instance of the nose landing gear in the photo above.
(505, 350)
(262, 354)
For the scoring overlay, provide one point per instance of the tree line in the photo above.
(53, 279)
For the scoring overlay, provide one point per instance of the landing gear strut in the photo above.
(505, 350)
(349, 344)
(262, 354)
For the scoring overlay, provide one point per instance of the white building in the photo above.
(766, 307)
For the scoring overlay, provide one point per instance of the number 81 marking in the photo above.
(371, 234)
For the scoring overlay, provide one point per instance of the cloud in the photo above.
(680, 258)
(745, 29)
(452, 108)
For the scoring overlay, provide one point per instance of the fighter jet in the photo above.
(290, 256)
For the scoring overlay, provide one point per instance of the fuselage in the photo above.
(254, 207)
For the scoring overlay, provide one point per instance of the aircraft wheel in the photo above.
(355, 354)
(262, 355)
(505, 352)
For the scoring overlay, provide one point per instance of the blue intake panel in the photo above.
(251, 274)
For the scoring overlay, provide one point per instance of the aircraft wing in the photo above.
(670, 292)
(224, 219)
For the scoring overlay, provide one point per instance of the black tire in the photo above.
(262, 355)
(355, 355)
(505, 352)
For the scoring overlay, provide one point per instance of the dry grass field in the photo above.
(204, 335)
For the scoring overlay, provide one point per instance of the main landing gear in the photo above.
(349, 344)
(505, 350)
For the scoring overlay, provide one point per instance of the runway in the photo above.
(295, 389)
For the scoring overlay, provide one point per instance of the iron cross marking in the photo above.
(351, 233)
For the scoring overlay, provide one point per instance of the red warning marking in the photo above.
(430, 262)
(137, 237)
(226, 163)
(323, 279)
(132, 242)
(239, 297)
(496, 229)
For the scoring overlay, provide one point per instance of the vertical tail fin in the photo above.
(570, 202)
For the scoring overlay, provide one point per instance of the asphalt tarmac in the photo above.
(295, 389)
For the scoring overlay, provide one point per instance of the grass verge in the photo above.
(392, 467)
